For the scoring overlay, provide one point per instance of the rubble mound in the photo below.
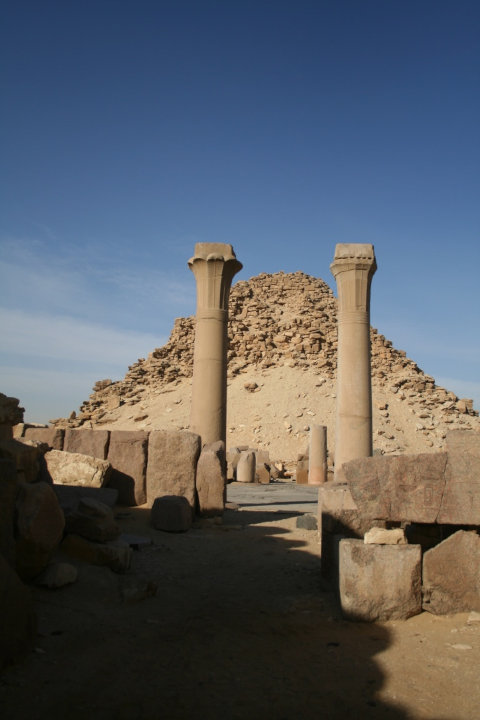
(281, 367)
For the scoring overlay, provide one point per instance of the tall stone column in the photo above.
(214, 265)
(353, 268)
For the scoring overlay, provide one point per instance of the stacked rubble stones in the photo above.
(278, 319)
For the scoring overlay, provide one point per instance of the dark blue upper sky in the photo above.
(132, 130)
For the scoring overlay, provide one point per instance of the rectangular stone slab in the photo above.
(172, 463)
(127, 453)
(87, 442)
(398, 488)
(461, 499)
(379, 582)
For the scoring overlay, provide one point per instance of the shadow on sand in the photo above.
(241, 626)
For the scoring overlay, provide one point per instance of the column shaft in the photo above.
(353, 269)
(214, 265)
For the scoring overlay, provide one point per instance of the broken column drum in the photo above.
(317, 455)
(214, 266)
(353, 268)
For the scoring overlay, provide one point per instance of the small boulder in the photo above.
(171, 513)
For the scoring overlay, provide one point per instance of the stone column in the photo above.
(214, 265)
(317, 455)
(353, 268)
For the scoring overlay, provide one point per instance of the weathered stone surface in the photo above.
(26, 458)
(92, 520)
(211, 479)
(57, 574)
(39, 527)
(87, 442)
(262, 472)
(8, 491)
(17, 618)
(246, 467)
(379, 582)
(463, 441)
(69, 496)
(397, 488)
(301, 475)
(52, 436)
(171, 513)
(451, 575)
(66, 468)
(461, 499)
(172, 462)
(10, 412)
(127, 454)
(381, 536)
(115, 555)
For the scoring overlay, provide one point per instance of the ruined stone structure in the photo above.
(353, 268)
(317, 455)
(214, 265)
(282, 328)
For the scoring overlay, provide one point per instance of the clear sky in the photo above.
(133, 129)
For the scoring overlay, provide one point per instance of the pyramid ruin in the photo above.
(281, 378)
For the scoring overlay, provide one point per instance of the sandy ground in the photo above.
(241, 626)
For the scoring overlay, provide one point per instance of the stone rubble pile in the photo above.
(286, 319)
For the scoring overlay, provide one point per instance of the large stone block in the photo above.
(52, 436)
(66, 468)
(87, 442)
(92, 520)
(8, 492)
(39, 527)
(17, 618)
(172, 463)
(26, 458)
(398, 488)
(451, 575)
(379, 582)
(70, 496)
(461, 498)
(211, 479)
(171, 513)
(127, 454)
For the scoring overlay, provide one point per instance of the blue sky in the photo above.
(131, 130)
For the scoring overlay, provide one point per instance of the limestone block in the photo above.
(115, 555)
(92, 520)
(463, 441)
(211, 480)
(8, 491)
(39, 527)
(398, 487)
(127, 454)
(87, 442)
(451, 577)
(17, 617)
(301, 475)
(171, 513)
(52, 436)
(66, 468)
(172, 462)
(26, 458)
(461, 499)
(379, 582)
(382, 536)
(246, 467)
